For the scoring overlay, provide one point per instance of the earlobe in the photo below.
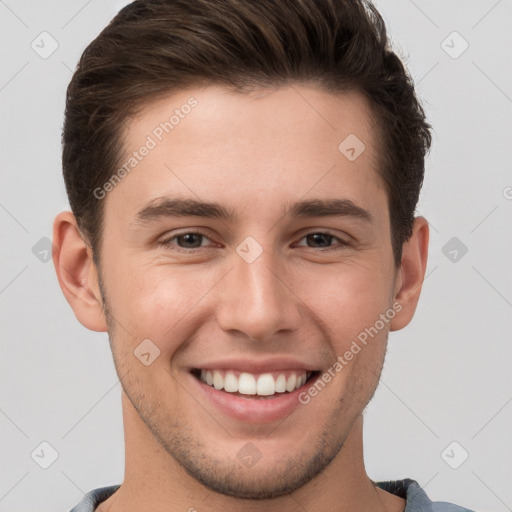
(411, 273)
(77, 273)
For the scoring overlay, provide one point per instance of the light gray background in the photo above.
(447, 375)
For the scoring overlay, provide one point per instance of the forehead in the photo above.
(246, 147)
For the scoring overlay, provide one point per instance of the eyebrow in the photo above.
(328, 208)
(174, 207)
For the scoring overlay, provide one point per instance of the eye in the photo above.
(195, 240)
(188, 240)
(323, 239)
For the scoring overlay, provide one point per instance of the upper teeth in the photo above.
(264, 384)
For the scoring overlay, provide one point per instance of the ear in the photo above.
(411, 273)
(77, 273)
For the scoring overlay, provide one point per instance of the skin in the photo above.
(254, 153)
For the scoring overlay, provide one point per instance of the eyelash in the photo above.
(167, 242)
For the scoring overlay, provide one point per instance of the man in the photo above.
(243, 178)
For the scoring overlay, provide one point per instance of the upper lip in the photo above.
(254, 366)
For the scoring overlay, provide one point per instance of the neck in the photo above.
(155, 481)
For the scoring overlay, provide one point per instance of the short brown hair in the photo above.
(155, 47)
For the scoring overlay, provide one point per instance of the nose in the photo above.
(257, 299)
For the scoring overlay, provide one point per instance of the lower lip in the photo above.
(254, 410)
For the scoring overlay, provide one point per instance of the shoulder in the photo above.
(416, 498)
(93, 498)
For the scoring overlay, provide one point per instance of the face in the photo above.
(277, 280)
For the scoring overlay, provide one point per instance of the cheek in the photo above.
(348, 300)
(150, 300)
(166, 304)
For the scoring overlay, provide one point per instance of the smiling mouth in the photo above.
(249, 385)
